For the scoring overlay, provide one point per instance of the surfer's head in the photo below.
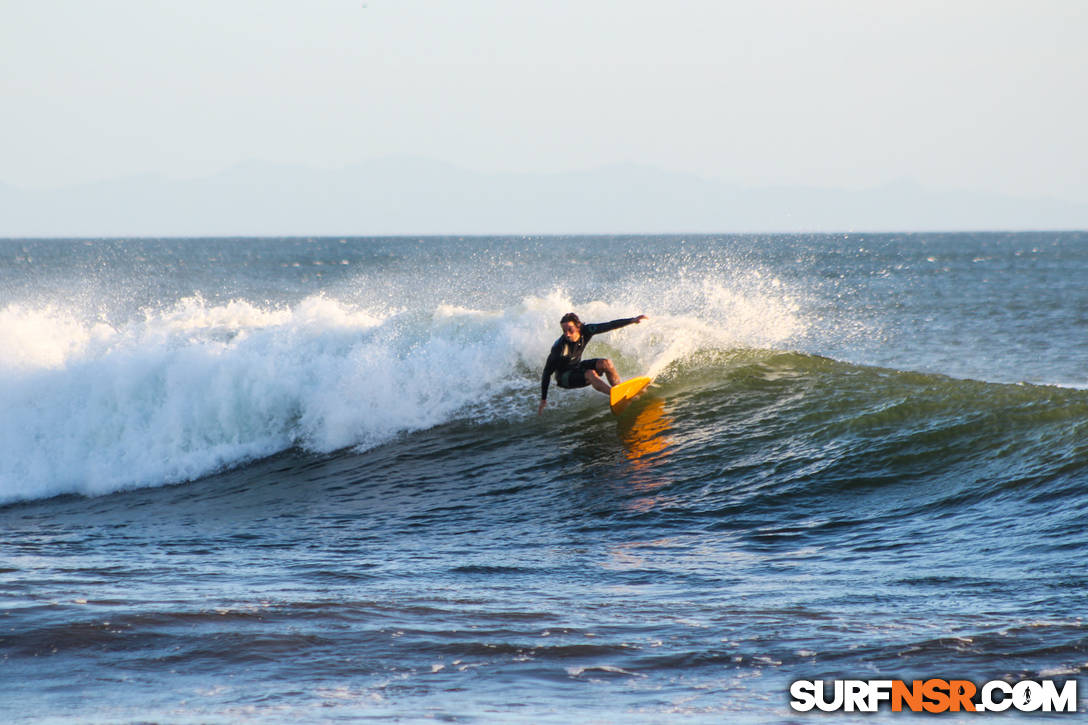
(572, 326)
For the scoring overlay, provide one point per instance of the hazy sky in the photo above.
(981, 95)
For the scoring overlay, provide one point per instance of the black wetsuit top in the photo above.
(566, 354)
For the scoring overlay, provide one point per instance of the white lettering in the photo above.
(989, 704)
(855, 696)
(1027, 696)
(994, 696)
(1065, 701)
(804, 695)
(879, 691)
(836, 700)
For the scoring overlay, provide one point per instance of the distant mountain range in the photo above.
(415, 196)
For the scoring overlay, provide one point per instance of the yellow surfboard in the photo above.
(622, 394)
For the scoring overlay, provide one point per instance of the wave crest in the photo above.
(175, 394)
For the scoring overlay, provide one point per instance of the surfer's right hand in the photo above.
(541, 408)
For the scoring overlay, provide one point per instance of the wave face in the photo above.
(164, 361)
(106, 398)
(857, 459)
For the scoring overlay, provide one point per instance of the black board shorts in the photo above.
(575, 377)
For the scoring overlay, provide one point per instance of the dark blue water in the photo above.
(297, 479)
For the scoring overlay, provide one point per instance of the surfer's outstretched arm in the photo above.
(598, 327)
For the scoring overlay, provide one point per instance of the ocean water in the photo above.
(304, 479)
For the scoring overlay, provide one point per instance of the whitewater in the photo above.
(264, 479)
(172, 392)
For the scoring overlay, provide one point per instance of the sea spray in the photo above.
(174, 394)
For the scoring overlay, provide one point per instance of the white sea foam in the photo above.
(92, 407)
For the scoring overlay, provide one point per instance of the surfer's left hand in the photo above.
(640, 318)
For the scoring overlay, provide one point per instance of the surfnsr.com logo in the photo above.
(933, 695)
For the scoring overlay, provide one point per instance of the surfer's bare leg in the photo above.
(605, 366)
(595, 380)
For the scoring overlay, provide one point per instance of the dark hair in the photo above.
(571, 317)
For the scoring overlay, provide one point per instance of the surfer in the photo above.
(565, 359)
